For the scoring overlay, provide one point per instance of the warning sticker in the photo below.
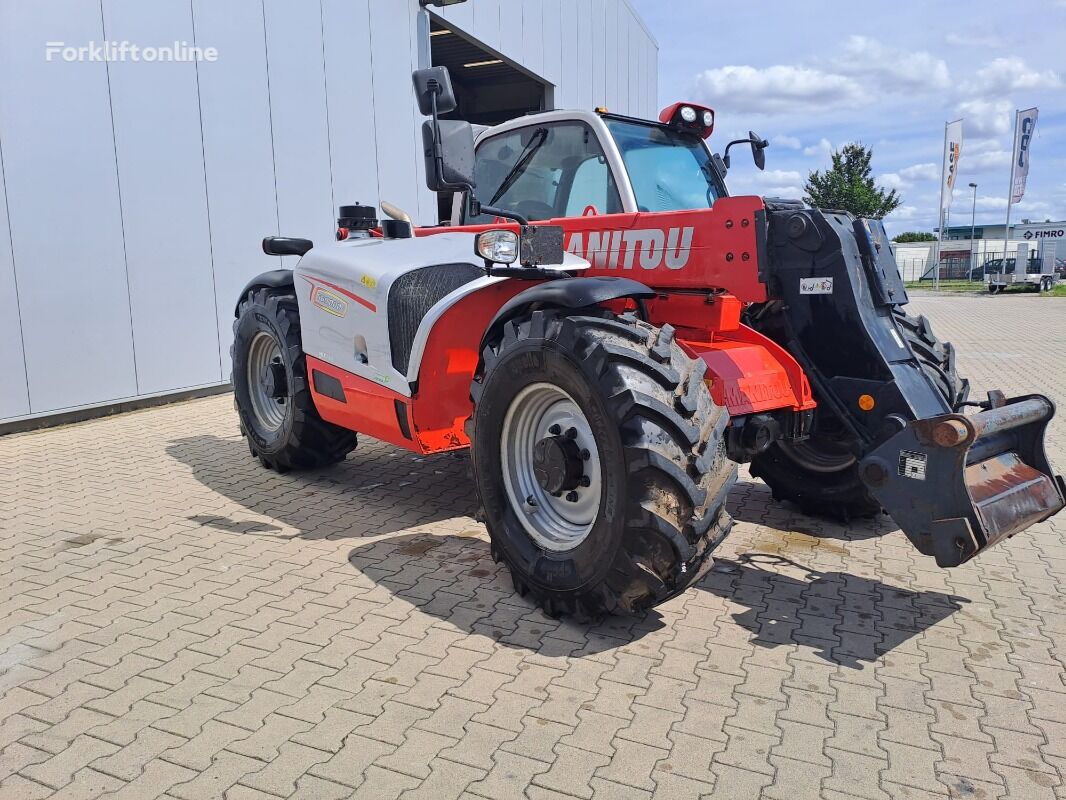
(912, 465)
(816, 285)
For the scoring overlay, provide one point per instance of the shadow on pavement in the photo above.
(751, 501)
(846, 619)
(375, 491)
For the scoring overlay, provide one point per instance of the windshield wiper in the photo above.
(540, 136)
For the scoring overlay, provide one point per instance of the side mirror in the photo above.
(433, 88)
(758, 149)
(449, 150)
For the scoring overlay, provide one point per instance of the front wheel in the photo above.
(599, 461)
(270, 387)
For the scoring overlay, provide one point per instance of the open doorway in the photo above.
(489, 88)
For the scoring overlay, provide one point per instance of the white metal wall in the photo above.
(133, 195)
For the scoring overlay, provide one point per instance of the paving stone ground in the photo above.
(175, 621)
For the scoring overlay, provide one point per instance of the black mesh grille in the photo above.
(413, 295)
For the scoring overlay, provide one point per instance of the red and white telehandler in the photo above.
(610, 333)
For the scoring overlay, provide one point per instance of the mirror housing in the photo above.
(433, 88)
(449, 150)
(758, 149)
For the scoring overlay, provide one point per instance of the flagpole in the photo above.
(1010, 192)
(939, 239)
(940, 213)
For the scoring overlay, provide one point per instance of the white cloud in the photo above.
(777, 89)
(920, 172)
(788, 192)
(1003, 75)
(789, 142)
(974, 39)
(985, 117)
(892, 180)
(778, 176)
(904, 213)
(989, 159)
(824, 149)
(891, 68)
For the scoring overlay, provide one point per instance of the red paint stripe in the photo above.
(345, 292)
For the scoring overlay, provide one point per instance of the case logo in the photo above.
(329, 302)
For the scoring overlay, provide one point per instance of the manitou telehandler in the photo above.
(611, 333)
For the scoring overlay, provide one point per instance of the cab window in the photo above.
(545, 171)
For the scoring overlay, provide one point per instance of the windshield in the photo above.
(669, 171)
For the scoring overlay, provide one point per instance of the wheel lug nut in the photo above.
(555, 430)
(572, 497)
(586, 481)
(571, 433)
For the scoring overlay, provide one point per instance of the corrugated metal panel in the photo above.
(164, 201)
(62, 191)
(298, 119)
(14, 394)
(350, 96)
(304, 110)
(238, 151)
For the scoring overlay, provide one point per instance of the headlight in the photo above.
(688, 114)
(708, 119)
(499, 247)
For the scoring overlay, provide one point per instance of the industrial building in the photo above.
(135, 191)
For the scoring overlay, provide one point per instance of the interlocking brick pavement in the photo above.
(176, 621)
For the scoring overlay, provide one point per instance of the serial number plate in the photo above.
(912, 465)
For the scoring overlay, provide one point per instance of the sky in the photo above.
(811, 77)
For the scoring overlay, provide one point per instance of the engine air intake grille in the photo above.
(413, 295)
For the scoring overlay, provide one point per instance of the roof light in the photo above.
(688, 113)
(491, 62)
(708, 119)
(601, 110)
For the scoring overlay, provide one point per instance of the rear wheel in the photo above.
(599, 461)
(271, 391)
(820, 474)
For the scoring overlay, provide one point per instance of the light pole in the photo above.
(973, 216)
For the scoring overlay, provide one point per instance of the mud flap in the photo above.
(958, 484)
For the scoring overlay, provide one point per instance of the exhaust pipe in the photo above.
(958, 484)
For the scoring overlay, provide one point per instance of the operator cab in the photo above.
(579, 163)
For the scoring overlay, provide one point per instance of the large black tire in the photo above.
(664, 474)
(807, 474)
(298, 438)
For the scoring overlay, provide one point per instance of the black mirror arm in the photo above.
(477, 209)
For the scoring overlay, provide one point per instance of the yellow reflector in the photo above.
(866, 402)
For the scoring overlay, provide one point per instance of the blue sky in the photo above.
(817, 75)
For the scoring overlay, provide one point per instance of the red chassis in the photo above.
(681, 255)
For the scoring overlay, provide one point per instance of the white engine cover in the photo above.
(343, 292)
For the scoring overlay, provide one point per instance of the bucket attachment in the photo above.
(958, 484)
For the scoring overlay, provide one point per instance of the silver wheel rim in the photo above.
(554, 523)
(264, 352)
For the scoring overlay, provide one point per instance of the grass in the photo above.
(972, 287)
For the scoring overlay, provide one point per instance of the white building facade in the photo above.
(134, 193)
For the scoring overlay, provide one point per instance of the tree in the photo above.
(913, 236)
(848, 186)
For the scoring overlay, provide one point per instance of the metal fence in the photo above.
(969, 272)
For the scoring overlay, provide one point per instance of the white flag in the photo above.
(952, 153)
(1024, 126)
